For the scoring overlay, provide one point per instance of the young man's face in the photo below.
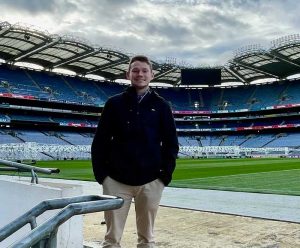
(140, 75)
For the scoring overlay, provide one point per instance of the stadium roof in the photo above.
(19, 43)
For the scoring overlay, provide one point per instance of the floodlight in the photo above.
(26, 36)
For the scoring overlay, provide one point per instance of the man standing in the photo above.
(134, 153)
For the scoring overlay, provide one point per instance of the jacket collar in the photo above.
(132, 92)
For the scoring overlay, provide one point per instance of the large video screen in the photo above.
(200, 76)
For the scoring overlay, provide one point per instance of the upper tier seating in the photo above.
(18, 81)
(87, 91)
(83, 91)
(56, 86)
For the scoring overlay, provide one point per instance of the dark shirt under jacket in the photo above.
(135, 143)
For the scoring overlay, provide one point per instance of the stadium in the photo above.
(238, 133)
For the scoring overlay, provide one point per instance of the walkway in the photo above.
(266, 206)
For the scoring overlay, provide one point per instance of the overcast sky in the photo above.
(196, 32)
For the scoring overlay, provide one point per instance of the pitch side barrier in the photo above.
(37, 151)
(235, 151)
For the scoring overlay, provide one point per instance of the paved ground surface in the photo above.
(212, 219)
(266, 206)
(206, 218)
(179, 228)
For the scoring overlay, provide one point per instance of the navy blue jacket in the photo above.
(135, 143)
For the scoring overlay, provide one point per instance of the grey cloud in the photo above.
(249, 5)
(105, 10)
(117, 4)
(206, 32)
(29, 6)
(211, 34)
(210, 25)
(170, 30)
(38, 6)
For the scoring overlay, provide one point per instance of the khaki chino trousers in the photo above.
(146, 199)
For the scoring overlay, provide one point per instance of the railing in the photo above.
(25, 167)
(45, 234)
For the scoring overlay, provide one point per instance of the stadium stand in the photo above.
(179, 99)
(50, 109)
(87, 91)
(7, 137)
(76, 138)
(16, 81)
(72, 90)
(56, 86)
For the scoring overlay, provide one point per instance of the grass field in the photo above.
(278, 176)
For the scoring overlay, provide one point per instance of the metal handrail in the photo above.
(29, 168)
(13, 169)
(72, 206)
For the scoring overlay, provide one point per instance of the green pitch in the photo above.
(278, 176)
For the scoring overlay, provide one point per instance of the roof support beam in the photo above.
(164, 73)
(284, 58)
(160, 75)
(108, 65)
(237, 75)
(255, 69)
(36, 50)
(76, 58)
